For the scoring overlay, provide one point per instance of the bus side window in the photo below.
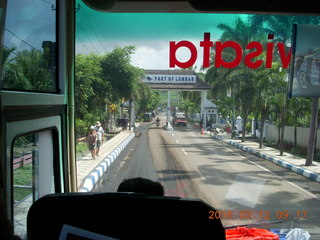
(32, 167)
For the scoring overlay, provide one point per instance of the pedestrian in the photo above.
(228, 127)
(92, 140)
(100, 136)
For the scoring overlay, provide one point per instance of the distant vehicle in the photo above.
(147, 117)
(308, 65)
(180, 115)
(180, 121)
(235, 134)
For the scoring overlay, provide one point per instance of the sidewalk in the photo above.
(289, 161)
(89, 171)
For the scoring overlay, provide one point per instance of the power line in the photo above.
(47, 2)
(21, 39)
(87, 37)
(82, 43)
(93, 29)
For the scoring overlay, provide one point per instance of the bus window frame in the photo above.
(37, 177)
(3, 7)
(59, 85)
(45, 110)
(26, 127)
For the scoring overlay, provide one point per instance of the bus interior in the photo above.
(42, 43)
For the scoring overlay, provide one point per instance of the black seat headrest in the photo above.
(123, 216)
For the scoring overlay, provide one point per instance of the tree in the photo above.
(117, 70)
(239, 82)
(88, 82)
(298, 114)
(269, 84)
(313, 130)
(146, 98)
(278, 24)
(108, 80)
(28, 70)
(6, 53)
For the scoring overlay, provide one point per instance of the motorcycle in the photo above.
(235, 134)
(158, 123)
(214, 130)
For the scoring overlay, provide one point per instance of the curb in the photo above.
(282, 163)
(91, 179)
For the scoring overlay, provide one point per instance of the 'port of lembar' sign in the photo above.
(162, 78)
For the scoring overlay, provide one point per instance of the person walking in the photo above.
(92, 140)
(100, 136)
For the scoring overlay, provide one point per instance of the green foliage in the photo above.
(87, 74)
(298, 112)
(28, 70)
(23, 175)
(6, 53)
(117, 70)
(109, 79)
(259, 92)
(146, 99)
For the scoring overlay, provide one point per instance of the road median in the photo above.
(90, 171)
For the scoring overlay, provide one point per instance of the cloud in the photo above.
(149, 54)
(155, 57)
(147, 57)
(30, 20)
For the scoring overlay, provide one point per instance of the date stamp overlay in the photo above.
(257, 214)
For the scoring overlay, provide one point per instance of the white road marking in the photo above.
(177, 141)
(245, 189)
(279, 177)
(184, 151)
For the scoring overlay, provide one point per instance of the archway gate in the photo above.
(178, 80)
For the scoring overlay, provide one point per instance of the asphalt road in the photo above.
(244, 188)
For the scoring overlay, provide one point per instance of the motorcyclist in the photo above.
(158, 122)
(235, 132)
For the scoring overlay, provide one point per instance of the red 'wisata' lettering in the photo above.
(249, 59)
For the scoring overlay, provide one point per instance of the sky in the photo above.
(29, 23)
(150, 32)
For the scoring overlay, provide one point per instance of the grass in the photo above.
(81, 148)
(22, 176)
(21, 193)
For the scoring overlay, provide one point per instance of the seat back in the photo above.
(123, 216)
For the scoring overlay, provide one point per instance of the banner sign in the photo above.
(176, 79)
(305, 62)
(253, 59)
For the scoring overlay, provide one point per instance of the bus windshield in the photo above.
(244, 144)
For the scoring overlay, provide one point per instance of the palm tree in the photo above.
(239, 81)
(28, 71)
(280, 25)
(6, 53)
